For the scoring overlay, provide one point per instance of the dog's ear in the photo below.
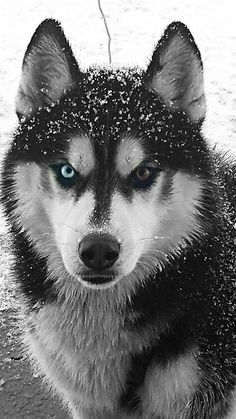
(49, 69)
(176, 72)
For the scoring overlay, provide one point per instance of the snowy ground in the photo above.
(135, 26)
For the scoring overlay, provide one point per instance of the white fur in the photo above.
(81, 155)
(70, 221)
(232, 414)
(31, 211)
(168, 389)
(129, 154)
(81, 346)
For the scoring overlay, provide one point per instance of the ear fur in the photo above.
(49, 69)
(176, 72)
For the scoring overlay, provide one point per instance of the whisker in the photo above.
(155, 238)
(158, 251)
(68, 225)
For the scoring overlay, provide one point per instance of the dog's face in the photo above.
(109, 165)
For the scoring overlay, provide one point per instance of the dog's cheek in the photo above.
(70, 221)
(59, 213)
(30, 213)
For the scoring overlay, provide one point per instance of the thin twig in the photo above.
(108, 33)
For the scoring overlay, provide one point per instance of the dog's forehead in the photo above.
(114, 103)
(106, 101)
(107, 111)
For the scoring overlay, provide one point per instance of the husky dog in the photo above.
(123, 228)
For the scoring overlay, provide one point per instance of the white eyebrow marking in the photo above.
(130, 153)
(81, 154)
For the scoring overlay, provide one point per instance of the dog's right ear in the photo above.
(49, 70)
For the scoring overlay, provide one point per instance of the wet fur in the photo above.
(158, 341)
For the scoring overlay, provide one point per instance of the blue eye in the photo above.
(65, 174)
(144, 176)
(67, 171)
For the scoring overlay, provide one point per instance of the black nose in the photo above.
(99, 253)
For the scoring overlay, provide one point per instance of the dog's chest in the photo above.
(86, 352)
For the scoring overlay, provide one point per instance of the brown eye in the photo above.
(143, 173)
(144, 176)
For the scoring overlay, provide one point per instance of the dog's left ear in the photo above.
(176, 72)
(49, 69)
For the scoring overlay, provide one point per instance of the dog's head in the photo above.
(108, 165)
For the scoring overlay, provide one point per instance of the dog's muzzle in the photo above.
(99, 253)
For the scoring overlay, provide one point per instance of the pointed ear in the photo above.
(49, 69)
(176, 72)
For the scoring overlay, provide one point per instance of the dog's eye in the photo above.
(67, 171)
(144, 176)
(65, 174)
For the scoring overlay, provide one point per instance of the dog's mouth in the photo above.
(98, 278)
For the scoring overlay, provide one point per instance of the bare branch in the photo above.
(108, 33)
